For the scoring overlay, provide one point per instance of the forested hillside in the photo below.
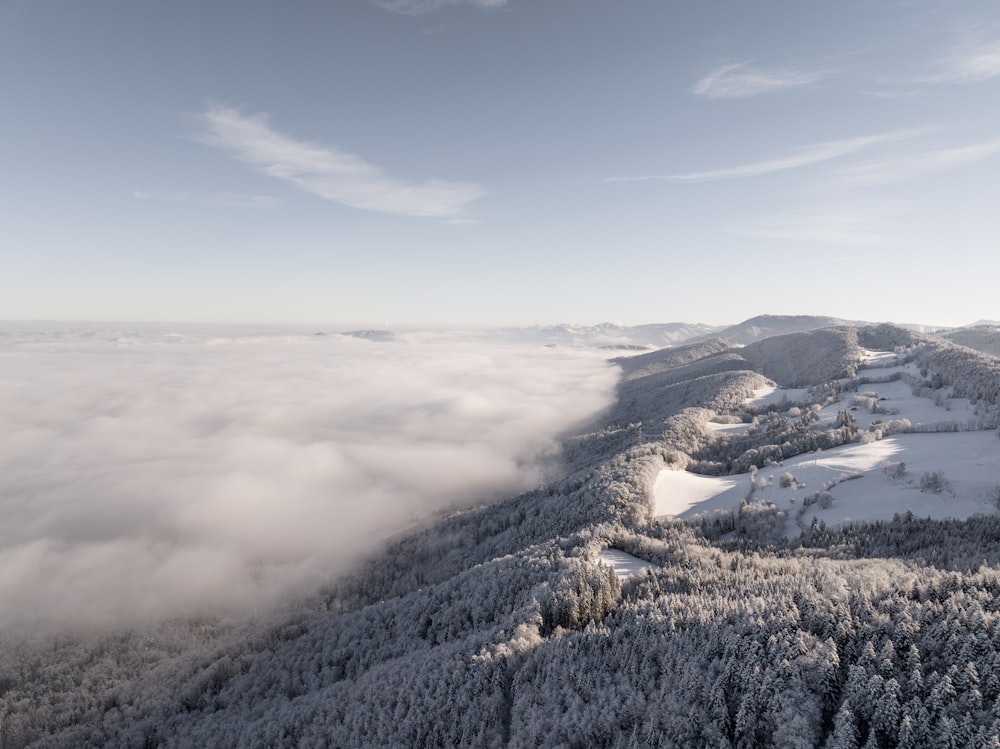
(500, 626)
(984, 338)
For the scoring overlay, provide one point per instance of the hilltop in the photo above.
(984, 337)
(765, 326)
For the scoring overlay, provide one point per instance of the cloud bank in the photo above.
(328, 172)
(150, 476)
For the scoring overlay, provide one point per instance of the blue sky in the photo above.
(452, 162)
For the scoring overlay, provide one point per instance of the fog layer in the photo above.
(152, 475)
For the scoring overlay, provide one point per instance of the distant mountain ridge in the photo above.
(661, 335)
(764, 326)
(612, 335)
(377, 336)
(984, 337)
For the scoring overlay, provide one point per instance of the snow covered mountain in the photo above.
(765, 326)
(611, 336)
(787, 543)
(983, 337)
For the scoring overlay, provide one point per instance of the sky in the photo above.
(409, 163)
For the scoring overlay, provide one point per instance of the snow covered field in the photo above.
(938, 474)
(625, 565)
(680, 493)
(771, 395)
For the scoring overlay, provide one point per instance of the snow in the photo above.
(761, 395)
(970, 462)
(678, 492)
(856, 476)
(898, 397)
(624, 565)
(878, 358)
(775, 396)
(727, 428)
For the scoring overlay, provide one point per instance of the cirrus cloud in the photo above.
(971, 62)
(329, 172)
(740, 80)
(914, 165)
(801, 157)
(224, 199)
(419, 7)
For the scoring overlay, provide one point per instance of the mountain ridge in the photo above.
(498, 625)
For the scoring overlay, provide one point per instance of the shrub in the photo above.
(933, 482)
(894, 470)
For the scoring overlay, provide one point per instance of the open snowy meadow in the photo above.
(948, 467)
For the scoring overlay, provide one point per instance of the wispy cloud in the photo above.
(801, 157)
(460, 221)
(971, 63)
(227, 199)
(740, 80)
(913, 165)
(846, 228)
(837, 260)
(328, 172)
(419, 7)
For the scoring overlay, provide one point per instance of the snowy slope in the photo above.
(935, 471)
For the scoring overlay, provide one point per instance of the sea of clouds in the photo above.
(150, 474)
